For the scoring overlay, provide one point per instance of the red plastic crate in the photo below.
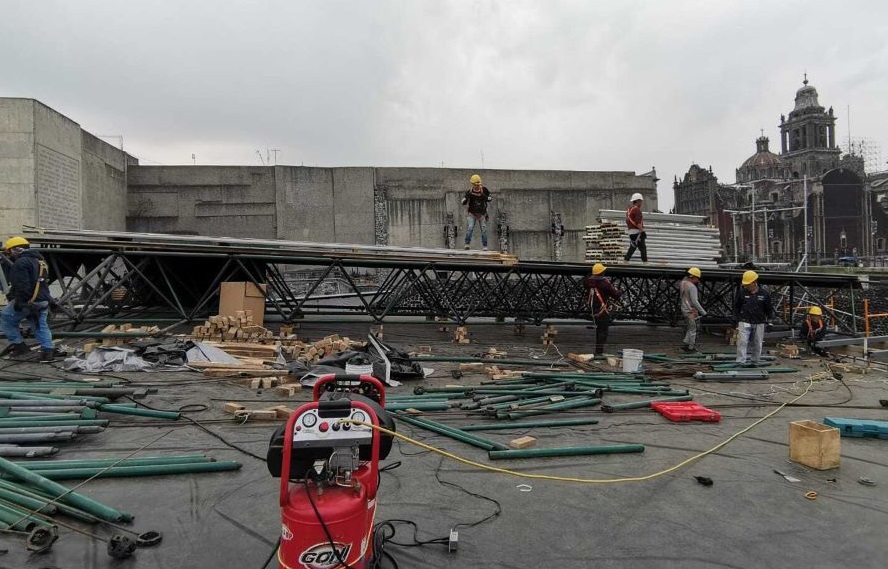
(686, 411)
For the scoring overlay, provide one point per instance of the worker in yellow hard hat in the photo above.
(752, 311)
(691, 308)
(476, 199)
(28, 298)
(600, 293)
(635, 228)
(813, 329)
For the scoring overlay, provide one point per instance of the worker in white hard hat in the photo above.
(476, 198)
(691, 308)
(813, 330)
(600, 294)
(635, 225)
(752, 310)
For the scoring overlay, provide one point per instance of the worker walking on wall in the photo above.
(28, 298)
(752, 310)
(691, 308)
(599, 293)
(476, 200)
(635, 225)
(813, 330)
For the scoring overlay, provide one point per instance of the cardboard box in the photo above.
(237, 296)
(814, 444)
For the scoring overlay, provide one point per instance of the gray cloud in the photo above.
(530, 84)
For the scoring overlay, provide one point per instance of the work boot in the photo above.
(684, 348)
(16, 350)
(47, 355)
(466, 247)
(485, 248)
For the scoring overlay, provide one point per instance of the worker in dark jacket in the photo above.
(476, 201)
(28, 298)
(599, 294)
(752, 310)
(813, 330)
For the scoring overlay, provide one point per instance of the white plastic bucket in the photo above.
(359, 369)
(632, 360)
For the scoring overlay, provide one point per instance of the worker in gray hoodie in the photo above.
(691, 309)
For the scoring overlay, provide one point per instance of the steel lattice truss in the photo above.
(133, 282)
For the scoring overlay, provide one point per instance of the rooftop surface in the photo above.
(749, 517)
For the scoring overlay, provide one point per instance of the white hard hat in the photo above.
(636, 196)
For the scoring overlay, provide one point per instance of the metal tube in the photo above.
(529, 425)
(563, 451)
(642, 404)
(16, 519)
(488, 361)
(418, 405)
(28, 501)
(21, 438)
(75, 499)
(144, 470)
(103, 462)
(27, 452)
(110, 408)
(451, 432)
(54, 422)
(562, 406)
(36, 494)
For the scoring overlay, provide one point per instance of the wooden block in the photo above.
(233, 408)
(464, 341)
(582, 358)
(522, 442)
(471, 366)
(88, 347)
(256, 383)
(289, 390)
(282, 411)
(257, 414)
(109, 328)
(413, 411)
(126, 327)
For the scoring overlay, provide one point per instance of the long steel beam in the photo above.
(101, 278)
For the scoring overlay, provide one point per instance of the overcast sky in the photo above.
(547, 84)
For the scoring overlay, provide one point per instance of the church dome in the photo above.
(763, 158)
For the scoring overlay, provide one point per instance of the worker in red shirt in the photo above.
(635, 224)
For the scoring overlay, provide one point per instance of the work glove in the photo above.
(465, 201)
(54, 305)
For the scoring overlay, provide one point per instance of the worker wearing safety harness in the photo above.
(752, 310)
(28, 298)
(599, 293)
(635, 225)
(691, 308)
(813, 330)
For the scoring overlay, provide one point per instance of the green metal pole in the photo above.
(561, 406)
(75, 499)
(146, 470)
(529, 425)
(642, 404)
(103, 462)
(461, 359)
(451, 432)
(563, 451)
(111, 408)
(9, 517)
(36, 494)
(28, 502)
(418, 405)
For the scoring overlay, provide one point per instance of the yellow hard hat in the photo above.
(17, 241)
(750, 277)
(598, 268)
(475, 179)
(694, 272)
(815, 311)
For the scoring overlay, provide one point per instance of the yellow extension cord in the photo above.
(588, 480)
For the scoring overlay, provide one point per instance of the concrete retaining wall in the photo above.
(337, 204)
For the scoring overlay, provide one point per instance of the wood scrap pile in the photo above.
(113, 328)
(327, 346)
(237, 327)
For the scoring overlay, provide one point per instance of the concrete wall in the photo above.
(234, 201)
(325, 204)
(337, 204)
(54, 174)
(17, 185)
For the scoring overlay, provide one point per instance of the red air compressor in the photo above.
(329, 471)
